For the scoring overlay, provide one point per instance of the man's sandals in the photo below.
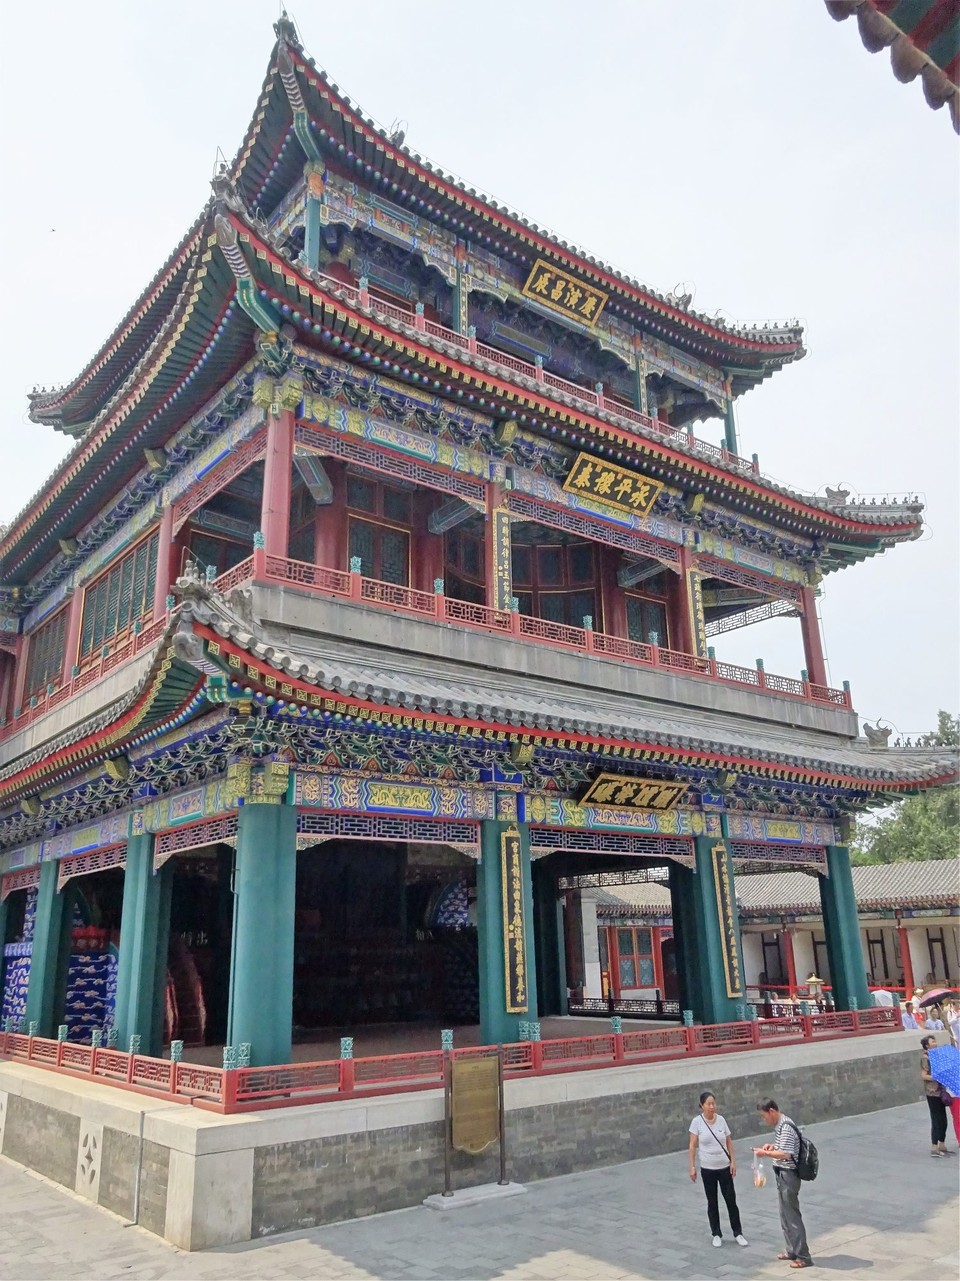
(796, 1263)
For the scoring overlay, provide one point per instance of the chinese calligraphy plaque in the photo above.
(475, 1103)
(633, 793)
(558, 290)
(514, 933)
(728, 924)
(592, 478)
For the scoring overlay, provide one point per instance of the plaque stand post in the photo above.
(474, 1118)
(504, 1181)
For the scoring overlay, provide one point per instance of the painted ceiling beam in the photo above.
(448, 515)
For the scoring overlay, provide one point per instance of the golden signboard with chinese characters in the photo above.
(514, 934)
(634, 793)
(728, 923)
(608, 483)
(475, 1103)
(502, 578)
(561, 292)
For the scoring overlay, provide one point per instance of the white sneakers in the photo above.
(718, 1242)
(741, 1240)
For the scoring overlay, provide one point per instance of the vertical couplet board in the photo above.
(514, 934)
(503, 579)
(728, 926)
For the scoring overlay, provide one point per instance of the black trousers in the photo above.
(938, 1119)
(722, 1181)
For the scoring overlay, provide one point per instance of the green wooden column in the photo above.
(841, 925)
(261, 978)
(50, 955)
(508, 981)
(144, 944)
(685, 937)
(708, 940)
(548, 936)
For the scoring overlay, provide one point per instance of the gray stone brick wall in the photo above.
(297, 1185)
(42, 1138)
(118, 1178)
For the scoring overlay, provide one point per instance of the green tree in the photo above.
(921, 827)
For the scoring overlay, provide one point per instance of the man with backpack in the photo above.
(794, 1158)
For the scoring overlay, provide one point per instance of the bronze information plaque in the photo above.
(475, 1103)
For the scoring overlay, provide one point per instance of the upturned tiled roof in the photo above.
(924, 884)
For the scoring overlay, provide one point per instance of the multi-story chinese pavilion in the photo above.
(373, 605)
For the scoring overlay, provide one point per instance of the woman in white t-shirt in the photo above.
(710, 1140)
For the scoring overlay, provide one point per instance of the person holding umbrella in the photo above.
(936, 1101)
(944, 1068)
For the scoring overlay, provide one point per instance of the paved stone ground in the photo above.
(880, 1209)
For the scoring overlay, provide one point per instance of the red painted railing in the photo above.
(596, 400)
(444, 609)
(249, 1089)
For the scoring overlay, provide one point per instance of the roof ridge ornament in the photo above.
(285, 29)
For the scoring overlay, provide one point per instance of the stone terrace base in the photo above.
(207, 1180)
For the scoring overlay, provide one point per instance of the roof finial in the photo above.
(286, 29)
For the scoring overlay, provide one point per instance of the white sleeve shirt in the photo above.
(711, 1147)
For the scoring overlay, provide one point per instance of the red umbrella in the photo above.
(937, 994)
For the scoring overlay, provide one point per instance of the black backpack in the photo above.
(808, 1162)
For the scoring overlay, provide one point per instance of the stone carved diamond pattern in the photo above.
(89, 1153)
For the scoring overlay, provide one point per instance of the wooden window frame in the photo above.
(61, 619)
(103, 580)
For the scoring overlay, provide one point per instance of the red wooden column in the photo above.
(72, 643)
(330, 521)
(612, 598)
(812, 641)
(789, 961)
(686, 619)
(905, 960)
(277, 481)
(166, 568)
(20, 672)
(428, 561)
(613, 962)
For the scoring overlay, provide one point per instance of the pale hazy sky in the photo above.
(753, 147)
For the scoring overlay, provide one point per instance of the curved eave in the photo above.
(923, 37)
(284, 279)
(78, 402)
(367, 151)
(203, 343)
(259, 676)
(170, 693)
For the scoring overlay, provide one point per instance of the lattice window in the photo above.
(749, 852)
(193, 836)
(118, 598)
(546, 839)
(756, 582)
(314, 827)
(93, 861)
(46, 653)
(599, 531)
(24, 878)
(398, 465)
